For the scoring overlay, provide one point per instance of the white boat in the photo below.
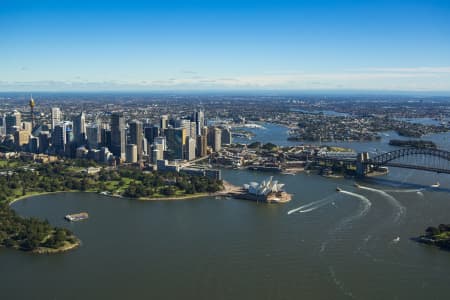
(396, 240)
(436, 185)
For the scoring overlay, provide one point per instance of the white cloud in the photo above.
(407, 70)
(413, 79)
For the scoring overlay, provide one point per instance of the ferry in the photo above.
(77, 217)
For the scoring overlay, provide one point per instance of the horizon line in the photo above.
(237, 91)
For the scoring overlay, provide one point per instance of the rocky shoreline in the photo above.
(436, 236)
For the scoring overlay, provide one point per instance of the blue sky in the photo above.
(232, 45)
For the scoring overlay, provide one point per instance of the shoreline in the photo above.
(62, 249)
(171, 198)
(224, 192)
(11, 202)
(174, 198)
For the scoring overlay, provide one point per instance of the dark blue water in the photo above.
(278, 135)
(340, 246)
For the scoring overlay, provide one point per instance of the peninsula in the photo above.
(31, 234)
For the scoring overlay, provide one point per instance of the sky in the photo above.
(393, 45)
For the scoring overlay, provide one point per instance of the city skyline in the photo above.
(232, 45)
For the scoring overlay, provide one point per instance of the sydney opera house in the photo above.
(267, 191)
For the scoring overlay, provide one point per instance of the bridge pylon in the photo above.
(362, 168)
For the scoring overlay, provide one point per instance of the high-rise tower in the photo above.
(13, 122)
(56, 116)
(199, 119)
(32, 104)
(79, 128)
(136, 136)
(118, 135)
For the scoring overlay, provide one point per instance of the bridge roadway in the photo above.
(387, 159)
(416, 167)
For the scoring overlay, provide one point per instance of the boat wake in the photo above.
(366, 204)
(365, 207)
(313, 205)
(400, 209)
(339, 284)
(405, 191)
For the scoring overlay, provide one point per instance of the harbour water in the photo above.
(353, 244)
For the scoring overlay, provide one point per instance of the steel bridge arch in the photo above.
(385, 158)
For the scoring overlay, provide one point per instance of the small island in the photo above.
(413, 144)
(437, 236)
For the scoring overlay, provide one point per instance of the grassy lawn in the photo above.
(119, 185)
(443, 235)
(74, 169)
(8, 163)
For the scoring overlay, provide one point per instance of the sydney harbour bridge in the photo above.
(425, 159)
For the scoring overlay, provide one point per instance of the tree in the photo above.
(432, 231)
(254, 145)
(168, 191)
(270, 147)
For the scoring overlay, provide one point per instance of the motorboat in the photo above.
(436, 185)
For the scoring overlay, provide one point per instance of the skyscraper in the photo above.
(79, 128)
(163, 122)
(159, 147)
(176, 140)
(59, 137)
(193, 133)
(44, 141)
(105, 135)
(131, 153)
(199, 119)
(32, 104)
(13, 122)
(150, 133)
(56, 116)
(2, 125)
(202, 142)
(21, 138)
(215, 138)
(93, 135)
(226, 136)
(118, 135)
(136, 136)
(33, 144)
(190, 148)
